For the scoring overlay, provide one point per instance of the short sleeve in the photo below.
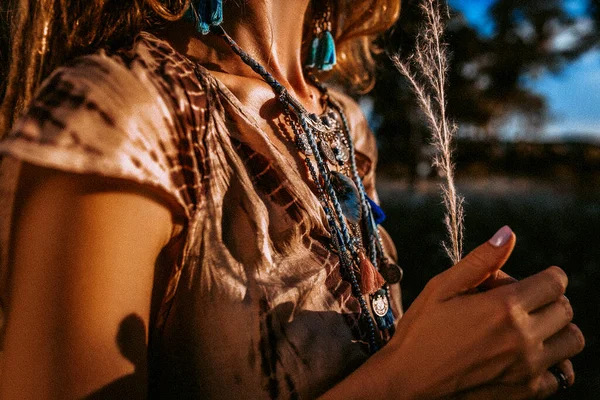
(98, 116)
(107, 115)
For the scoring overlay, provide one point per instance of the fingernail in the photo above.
(501, 237)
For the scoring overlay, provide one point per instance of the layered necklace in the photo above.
(352, 217)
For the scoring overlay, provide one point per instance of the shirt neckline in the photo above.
(227, 93)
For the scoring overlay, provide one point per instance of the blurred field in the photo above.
(555, 224)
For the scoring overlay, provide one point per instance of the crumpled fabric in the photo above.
(248, 298)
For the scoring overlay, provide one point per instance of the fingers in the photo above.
(551, 318)
(541, 386)
(538, 290)
(549, 383)
(478, 265)
(546, 384)
(568, 342)
(567, 368)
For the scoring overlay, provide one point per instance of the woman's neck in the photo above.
(269, 30)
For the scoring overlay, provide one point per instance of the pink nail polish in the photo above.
(501, 237)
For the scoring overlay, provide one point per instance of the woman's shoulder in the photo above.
(146, 75)
(125, 114)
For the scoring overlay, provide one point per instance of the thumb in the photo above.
(497, 279)
(480, 264)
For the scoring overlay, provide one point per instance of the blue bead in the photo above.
(378, 213)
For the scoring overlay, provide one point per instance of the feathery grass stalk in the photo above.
(426, 70)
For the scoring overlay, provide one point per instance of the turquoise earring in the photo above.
(204, 14)
(321, 53)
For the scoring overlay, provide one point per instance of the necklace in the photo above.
(352, 217)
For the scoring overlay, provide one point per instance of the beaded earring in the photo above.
(321, 54)
(204, 14)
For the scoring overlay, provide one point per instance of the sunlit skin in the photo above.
(84, 250)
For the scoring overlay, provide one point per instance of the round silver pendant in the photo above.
(380, 304)
(392, 273)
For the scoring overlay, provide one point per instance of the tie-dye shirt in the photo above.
(248, 299)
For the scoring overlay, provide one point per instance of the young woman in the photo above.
(188, 212)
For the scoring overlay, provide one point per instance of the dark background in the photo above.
(518, 162)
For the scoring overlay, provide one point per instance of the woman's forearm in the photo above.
(373, 380)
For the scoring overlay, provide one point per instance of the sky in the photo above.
(573, 95)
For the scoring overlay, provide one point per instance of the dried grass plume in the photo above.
(426, 70)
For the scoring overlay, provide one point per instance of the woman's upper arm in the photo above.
(83, 253)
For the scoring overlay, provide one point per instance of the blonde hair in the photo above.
(43, 34)
(356, 23)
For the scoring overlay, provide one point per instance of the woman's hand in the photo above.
(539, 386)
(454, 342)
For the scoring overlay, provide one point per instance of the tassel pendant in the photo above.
(321, 54)
(326, 58)
(312, 53)
(348, 196)
(370, 279)
(384, 317)
(205, 13)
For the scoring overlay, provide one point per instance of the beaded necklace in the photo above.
(352, 217)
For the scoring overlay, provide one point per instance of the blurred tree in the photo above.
(594, 12)
(487, 76)
(595, 9)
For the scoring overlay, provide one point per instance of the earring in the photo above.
(321, 54)
(204, 14)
